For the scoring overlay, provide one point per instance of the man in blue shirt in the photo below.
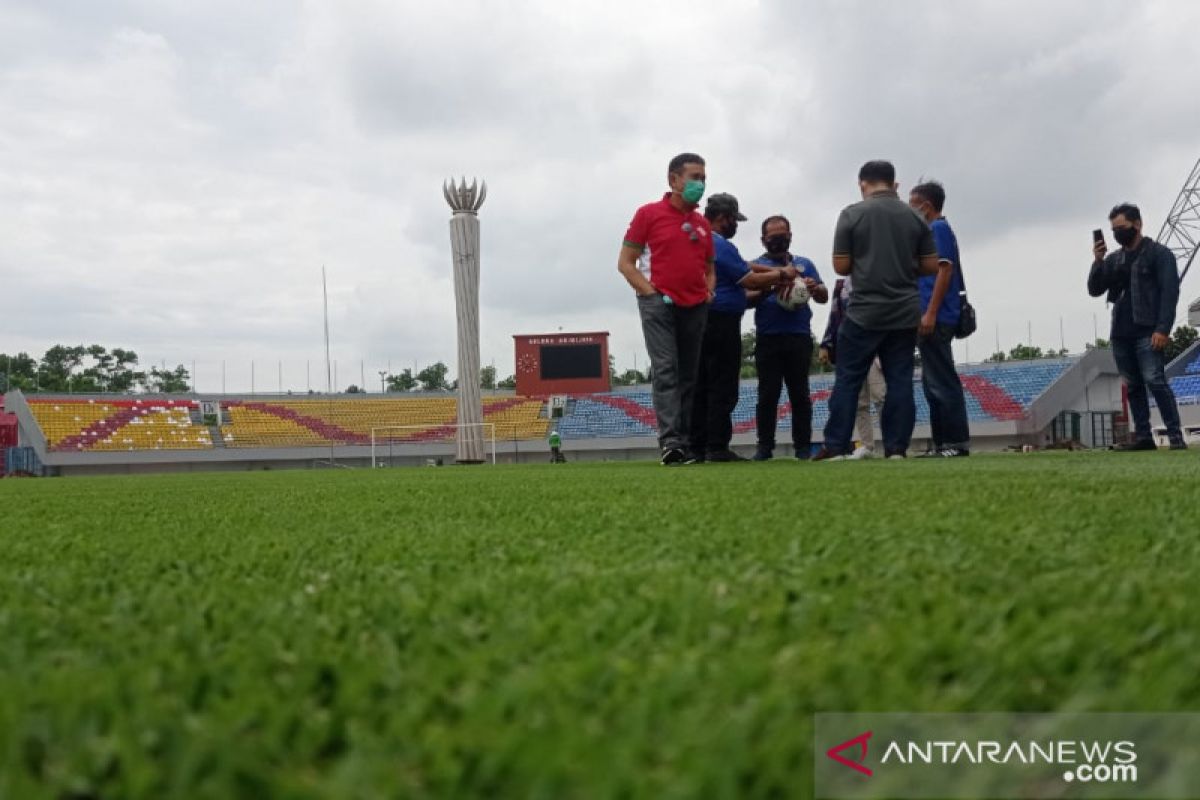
(949, 430)
(783, 345)
(721, 350)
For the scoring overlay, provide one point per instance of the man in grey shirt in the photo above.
(884, 246)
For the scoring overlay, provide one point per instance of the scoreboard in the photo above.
(561, 363)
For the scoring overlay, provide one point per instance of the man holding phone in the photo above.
(1142, 282)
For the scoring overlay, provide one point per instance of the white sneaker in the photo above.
(861, 452)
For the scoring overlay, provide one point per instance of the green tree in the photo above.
(58, 368)
(1181, 340)
(109, 371)
(433, 377)
(1099, 344)
(814, 363)
(404, 382)
(167, 381)
(353, 389)
(748, 370)
(18, 372)
(487, 377)
(508, 383)
(996, 358)
(1025, 352)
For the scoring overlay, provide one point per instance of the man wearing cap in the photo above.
(721, 350)
(667, 259)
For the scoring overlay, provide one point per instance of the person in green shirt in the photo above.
(556, 456)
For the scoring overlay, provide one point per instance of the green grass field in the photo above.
(587, 631)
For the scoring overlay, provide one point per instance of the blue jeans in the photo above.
(943, 390)
(1142, 368)
(856, 348)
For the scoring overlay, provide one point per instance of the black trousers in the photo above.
(717, 383)
(784, 359)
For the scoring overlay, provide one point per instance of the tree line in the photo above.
(88, 369)
(1181, 340)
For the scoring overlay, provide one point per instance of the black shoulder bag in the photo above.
(966, 312)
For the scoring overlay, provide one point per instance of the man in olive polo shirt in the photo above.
(884, 246)
(667, 258)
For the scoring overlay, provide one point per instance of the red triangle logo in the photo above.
(859, 742)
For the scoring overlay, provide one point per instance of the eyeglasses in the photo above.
(690, 230)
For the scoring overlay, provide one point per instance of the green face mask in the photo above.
(693, 191)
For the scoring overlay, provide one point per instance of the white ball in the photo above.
(791, 296)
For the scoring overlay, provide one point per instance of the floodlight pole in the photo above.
(465, 202)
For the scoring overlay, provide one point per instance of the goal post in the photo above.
(386, 438)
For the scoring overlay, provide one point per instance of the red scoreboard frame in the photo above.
(561, 363)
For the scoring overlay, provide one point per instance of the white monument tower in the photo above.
(464, 241)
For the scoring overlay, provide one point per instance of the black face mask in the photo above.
(778, 244)
(1125, 236)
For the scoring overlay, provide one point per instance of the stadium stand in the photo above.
(8, 433)
(293, 423)
(1184, 374)
(995, 393)
(107, 424)
(118, 424)
(1010, 404)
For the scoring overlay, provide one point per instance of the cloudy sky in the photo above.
(174, 174)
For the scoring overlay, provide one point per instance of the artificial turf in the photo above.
(578, 631)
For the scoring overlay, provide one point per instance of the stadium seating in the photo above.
(118, 424)
(1186, 383)
(107, 424)
(326, 421)
(995, 393)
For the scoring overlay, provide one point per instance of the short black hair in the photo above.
(1127, 210)
(776, 218)
(931, 191)
(877, 172)
(680, 161)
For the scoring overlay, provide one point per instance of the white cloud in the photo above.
(173, 176)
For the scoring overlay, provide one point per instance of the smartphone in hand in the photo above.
(1097, 237)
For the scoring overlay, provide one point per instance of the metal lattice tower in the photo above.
(1181, 229)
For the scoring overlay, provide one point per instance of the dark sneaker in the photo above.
(1132, 447)
(725, 456)
(690, 457)
(953, 452)
(673, 456)
(761, 455)
(825, 454)
(1178, 444)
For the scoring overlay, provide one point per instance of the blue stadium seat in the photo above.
(995, 392)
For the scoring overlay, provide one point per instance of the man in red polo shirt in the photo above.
(667, 257)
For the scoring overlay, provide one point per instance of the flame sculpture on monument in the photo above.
(464, 242)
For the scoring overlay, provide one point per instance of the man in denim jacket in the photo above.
(1142, 283)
